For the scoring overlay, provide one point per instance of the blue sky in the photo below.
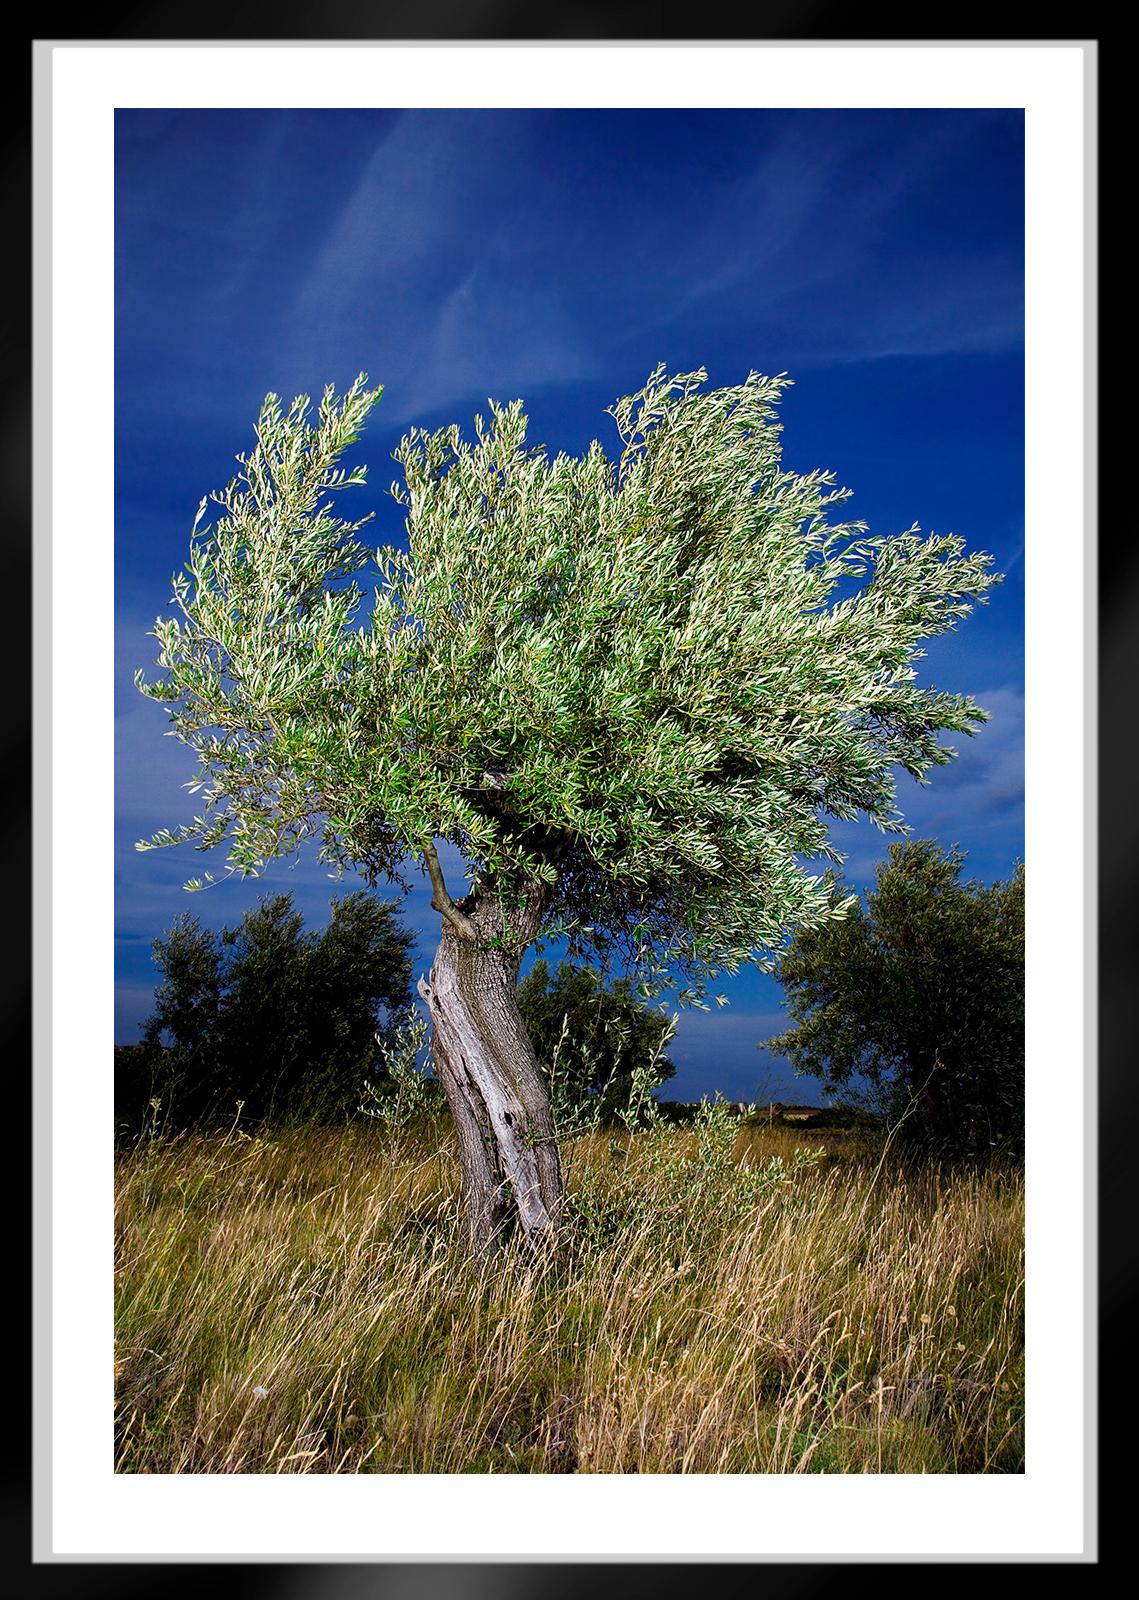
(875, 256)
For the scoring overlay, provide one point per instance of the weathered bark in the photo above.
(512, 1179)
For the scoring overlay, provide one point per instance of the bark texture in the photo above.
(512, 1177)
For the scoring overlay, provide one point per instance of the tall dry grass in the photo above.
(300, 1303)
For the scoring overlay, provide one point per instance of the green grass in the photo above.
(300, 1302)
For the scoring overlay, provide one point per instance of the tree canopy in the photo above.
(921, 994)
(644, 684)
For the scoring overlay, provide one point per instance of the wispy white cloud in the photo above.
(398, 211)
(797, 241)
(987, 778)
(444, 259)
(412, 268)
(977, 798)
(451, 268)
(494, 346)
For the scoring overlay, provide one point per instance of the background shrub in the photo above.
(289, 1023)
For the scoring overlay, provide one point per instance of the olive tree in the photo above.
(628, 692)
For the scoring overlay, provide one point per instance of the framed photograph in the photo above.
(573, 974)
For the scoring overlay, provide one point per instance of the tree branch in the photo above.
(441, 900)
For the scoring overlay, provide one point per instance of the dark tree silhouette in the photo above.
(921, 993)
(287, 1022)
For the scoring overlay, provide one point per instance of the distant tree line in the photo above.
(910, 1008)
(291, 1025)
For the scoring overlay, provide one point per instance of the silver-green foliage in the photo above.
(645, 683)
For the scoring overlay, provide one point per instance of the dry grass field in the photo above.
(300, 1302)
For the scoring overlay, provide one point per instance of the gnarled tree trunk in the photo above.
(512, 1179)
